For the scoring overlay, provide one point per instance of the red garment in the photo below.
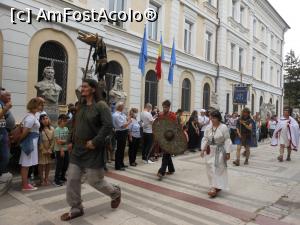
(169, 115)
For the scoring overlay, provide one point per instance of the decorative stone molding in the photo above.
(210, 8)
(263, 45)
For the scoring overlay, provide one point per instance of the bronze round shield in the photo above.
(169, 136)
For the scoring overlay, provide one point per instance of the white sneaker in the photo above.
(150, 162)
(145, 161)
(5, 182)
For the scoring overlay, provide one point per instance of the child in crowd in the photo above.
(46, 146)
(61, 150)
(134, 137)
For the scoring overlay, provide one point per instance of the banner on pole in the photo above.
(240, 94)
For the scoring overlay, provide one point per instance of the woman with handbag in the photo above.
(29, 142)
(216, 148)
(46, 145)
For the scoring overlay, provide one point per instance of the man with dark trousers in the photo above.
(167, 158)
(121, 124)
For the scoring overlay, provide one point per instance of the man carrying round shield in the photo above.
(170, 137)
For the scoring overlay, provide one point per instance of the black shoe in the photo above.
(125, 166)
(105, 169)
(121, 169)
(63, 179)
(58, 183)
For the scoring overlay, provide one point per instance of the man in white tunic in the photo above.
(286, 134)
(216, 148)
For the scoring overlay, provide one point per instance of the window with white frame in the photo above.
(232, 55)
(253, 65)
(272, 41)
(262, 69)
(262, 33)
(241, 53)
(153, 26)
(187, 36)
(278, 78)
(271, 73)
(278, 47)
(208, 45)
(234, 9)
(242, 15)
(116, 5)
(254, 27)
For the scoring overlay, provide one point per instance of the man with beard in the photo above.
(93, 123)
(244, 131)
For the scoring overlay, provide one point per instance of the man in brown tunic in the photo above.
(93, 123)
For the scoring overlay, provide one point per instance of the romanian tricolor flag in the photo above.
(160, 57)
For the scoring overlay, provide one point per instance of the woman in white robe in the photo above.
(216, 148)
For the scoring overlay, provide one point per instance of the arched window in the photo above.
(277, 107)
(261, 101)
(114, 70)
(54, 54)
(151, 88)
(252, 103)
(206, 96)
(186, 95)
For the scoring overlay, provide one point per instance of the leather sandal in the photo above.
(212, 193)
(280, 158)
(71, 215)
(236, 162)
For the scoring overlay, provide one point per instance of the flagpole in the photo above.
(143, 79)
(172, 97)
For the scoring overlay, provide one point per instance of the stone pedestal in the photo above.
(52, 111)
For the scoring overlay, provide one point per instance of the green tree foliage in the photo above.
(292, 80)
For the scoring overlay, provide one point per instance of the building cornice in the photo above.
(272, 12)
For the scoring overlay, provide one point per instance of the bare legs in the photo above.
(281, 152)
(238, 155)
(44, 171)
(24, 176)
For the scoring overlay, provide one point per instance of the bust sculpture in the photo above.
(214, 101)
(266, 110)
(117, 93)
(47, 88)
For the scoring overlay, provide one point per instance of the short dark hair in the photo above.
(179, 111)
(166, 103)
(62, 117)
(216, 114)
(289, 109)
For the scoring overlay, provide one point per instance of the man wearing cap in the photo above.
(286, 134)
(203, 122)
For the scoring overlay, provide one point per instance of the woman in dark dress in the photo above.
(193, 132)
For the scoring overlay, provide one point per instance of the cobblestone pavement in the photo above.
(265, 192)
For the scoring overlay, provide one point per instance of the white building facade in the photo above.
(215, 43)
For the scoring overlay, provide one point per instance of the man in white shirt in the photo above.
(147, 120)
(203, 121)
(121, 124)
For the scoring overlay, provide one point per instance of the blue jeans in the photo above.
(4, 150)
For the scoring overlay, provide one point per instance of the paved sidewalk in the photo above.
(265, 192)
